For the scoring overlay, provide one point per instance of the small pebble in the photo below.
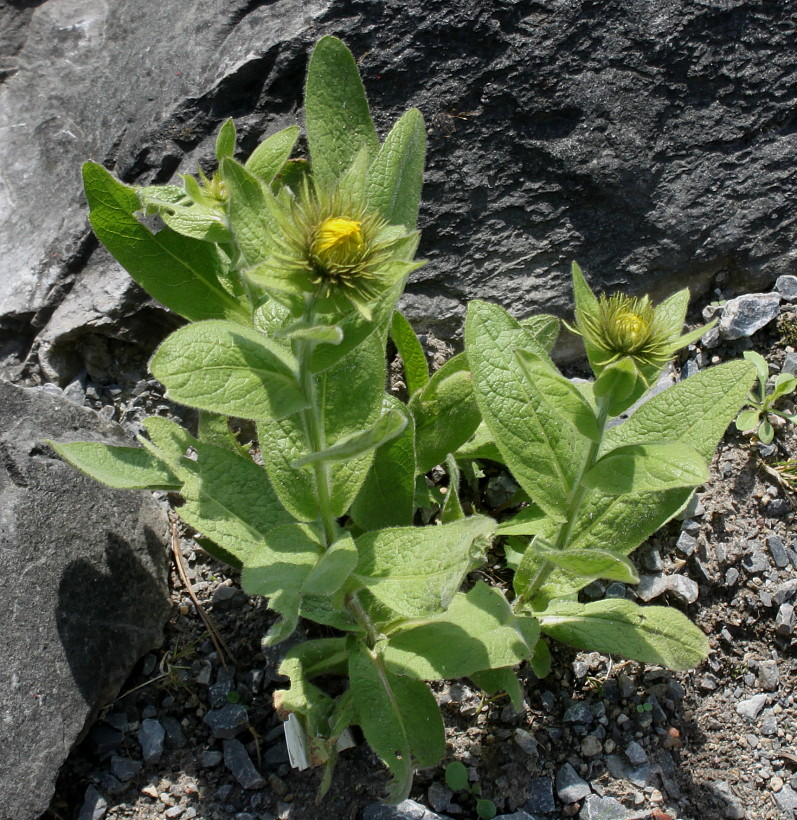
(151, 736)
(751, 707)
(569, 786)
(237, 760)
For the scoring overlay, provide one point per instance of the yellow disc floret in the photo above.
(632, 326)
(338, 243)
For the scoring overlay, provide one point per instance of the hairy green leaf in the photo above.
(333, 568)
(180, 272)
(477, 632)
(504, 679)
(660, 635)
(124, 468)
(247, 212)
(416, 371)
(336, 111)
(542, 449)
(225, 140)
(396, 175)
(268, 159)
(415, 571)
(230, 369)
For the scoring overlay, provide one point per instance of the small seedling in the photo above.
(762, 400)
(457, 781)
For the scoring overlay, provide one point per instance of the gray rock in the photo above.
(790, 364)
(276, 755)
(636, 754)
(591, 746)
(660, 221)
(151, 736)
(683, 588)
(787, 799)
(768, 676)
(569, 786)
(711, 338)
(210, 758)
(174, 732)
(83, 591)
(94, 805)
(786, 286)
(124, 769)
(650, 586)
(651, 558)
(777, 551)
(526, 741)
(578, 713)
(750, 708)
(237, 760)
(407, 810)
(540, 796)
(732, 808)
(602, 808)
(755, 561)
(784, 620)
(616, 590)
(516, 815)
(785, 592)
(227, 722)
(745, 315)
(620, 768)
(686, 543)
(439, 796)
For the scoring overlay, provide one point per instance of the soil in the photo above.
(698, 757)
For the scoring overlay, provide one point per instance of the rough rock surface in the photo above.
(652, 142)
(82, 592)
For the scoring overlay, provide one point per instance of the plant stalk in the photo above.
(577, 495)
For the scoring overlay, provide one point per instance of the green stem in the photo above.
(575, 501)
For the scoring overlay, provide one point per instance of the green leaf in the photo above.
(672, 312)
(268, 159)
(386, 498)
(477, 632)
(350, 394)
(396, 175)
(416, 570)
(336, 111)
(529, 521)
(380, 717)
(456, 776)
(541, 660)
(384, 429)
(214, 428)
(445, 413)
(451, 510)
(784, 384)
(182, 273)
(225, 141)
(493, 681)
(320, 334)
(660, 635)
(560, 394)
(333, 568)
(230, 369)
(480, 445)
(124, 468)
(747, 420)
(696, 412)
(229, 499)
(169, 442)
(620, 382)
(287, 557)
(645, 468)
(541, 448)
(301, 663)
(247, 212)
(416, 370)
(423, 723)
(543, 328)
(194, 218)
(761, 367)
(592, 563)
(486, 809)
(765, 432)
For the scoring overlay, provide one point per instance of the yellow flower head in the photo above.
(337, 247)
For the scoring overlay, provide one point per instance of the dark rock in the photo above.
(569, 786)
(636, 754)
(784, 620)
(785, 592)
(228, 721)
(104, 739)
(210, 758)
(515, 114)
(686, 544)
(602, 808)
(620, 768)
(111, 785)
(777, 508)
(83, 591)
(755, 561)
(790, 364)
(541, 796)
(151, 736)
(777, 551)
(732, 808)
(237, 760)
(439, 796)
(579, 713)
(276, 755)
(94, 805)
(747, 314)
(751, 707)
(124, 769)
(407, 810)
(786, 286)
(174, 731)
(615, 590)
